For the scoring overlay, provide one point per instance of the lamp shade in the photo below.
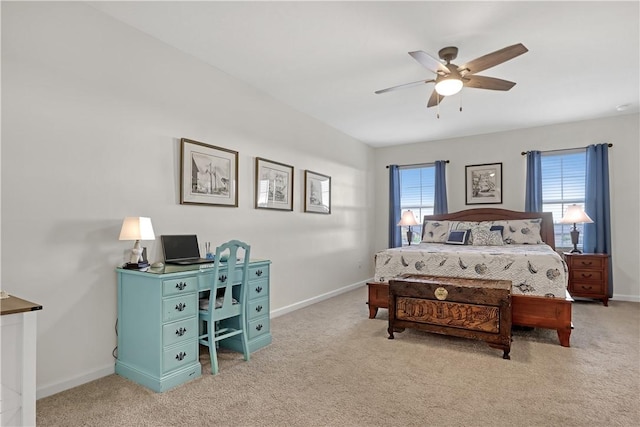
(575, 214)
(137, 228)
(408, 219)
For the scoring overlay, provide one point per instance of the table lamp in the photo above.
(136, 228)
(573, 215)
(408, 220)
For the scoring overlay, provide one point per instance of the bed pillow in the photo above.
(464, 225)
(523, 232)
(483, 235)
(458, 237)
(435, 231)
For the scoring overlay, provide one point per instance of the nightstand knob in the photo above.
(586, 276)
(587, 262)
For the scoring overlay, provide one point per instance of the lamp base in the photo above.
(575, 251)
(409, 236)
(136, 265)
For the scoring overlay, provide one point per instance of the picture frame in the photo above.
(483, 184)
(208, 174)
(274, 185)
(317, 193)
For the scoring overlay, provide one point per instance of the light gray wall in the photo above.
(622, 131)
(92, 114)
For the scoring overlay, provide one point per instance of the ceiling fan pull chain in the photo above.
(461, 101)
(438, 106)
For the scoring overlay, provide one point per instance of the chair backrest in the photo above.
(233, 283)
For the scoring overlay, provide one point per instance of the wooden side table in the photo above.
(588, 275)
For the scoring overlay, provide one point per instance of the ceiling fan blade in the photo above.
(493, 59)
(429, 62)
(419, 82)
(482, 82)
(433, 99)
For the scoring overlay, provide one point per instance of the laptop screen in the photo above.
(180, 247)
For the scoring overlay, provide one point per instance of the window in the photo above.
(417, 193)
(563, 184)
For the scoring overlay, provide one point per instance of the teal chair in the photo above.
(223, 316)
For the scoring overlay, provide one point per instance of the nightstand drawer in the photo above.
(586, 276)
(582, 287)
(586, 262)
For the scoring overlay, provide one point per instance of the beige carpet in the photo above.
(329, 365)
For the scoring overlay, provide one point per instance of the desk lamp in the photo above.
(573, 215)
(408, 220)
(136, 228)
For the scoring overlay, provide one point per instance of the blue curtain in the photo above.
(440, 198)
(597, 236)
(533, 192)
(395, 240)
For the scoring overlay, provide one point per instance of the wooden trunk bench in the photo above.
(469, 308)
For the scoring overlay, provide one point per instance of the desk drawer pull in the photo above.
(222, 278)
(181, 306)
(180, 332)
(586, 276)
(259, 308)
(258, 289)
(259, 273)
(181, 285)
(181, 355)
(259, 327)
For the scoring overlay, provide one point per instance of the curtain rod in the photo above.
(415, 164)
(524, 153)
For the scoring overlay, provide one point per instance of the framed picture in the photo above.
(484, 184)
(274, 185)
(317, 192)
(208, 174)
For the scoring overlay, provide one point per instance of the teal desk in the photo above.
(158, 321)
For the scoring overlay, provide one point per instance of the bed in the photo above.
(525, 255)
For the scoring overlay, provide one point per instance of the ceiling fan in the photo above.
(451, 78)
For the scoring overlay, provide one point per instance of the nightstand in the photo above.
(588, 275)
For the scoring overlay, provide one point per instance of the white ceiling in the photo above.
(326, 59)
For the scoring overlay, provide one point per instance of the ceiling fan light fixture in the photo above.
(448, 86)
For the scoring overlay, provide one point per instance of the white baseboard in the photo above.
(316, 299)
(50, 389)
(631, 298)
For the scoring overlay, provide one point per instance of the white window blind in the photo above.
(417, 193)
(563, 184)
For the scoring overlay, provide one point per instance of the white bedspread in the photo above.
(533, 269)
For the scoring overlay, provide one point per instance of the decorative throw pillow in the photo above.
(484, 236)
(523, 232)
(435, 231)
(464, 225)
(458, 237)
(498, 228)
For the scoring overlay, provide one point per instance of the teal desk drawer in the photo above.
(181, 330)
(179, 307)
(179, 286)
(258, 272)
(258, 308)
(180, 355)
(258, 289)
(258, 327)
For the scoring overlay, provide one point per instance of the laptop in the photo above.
(182, 249)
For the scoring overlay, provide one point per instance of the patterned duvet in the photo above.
(533, 269)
